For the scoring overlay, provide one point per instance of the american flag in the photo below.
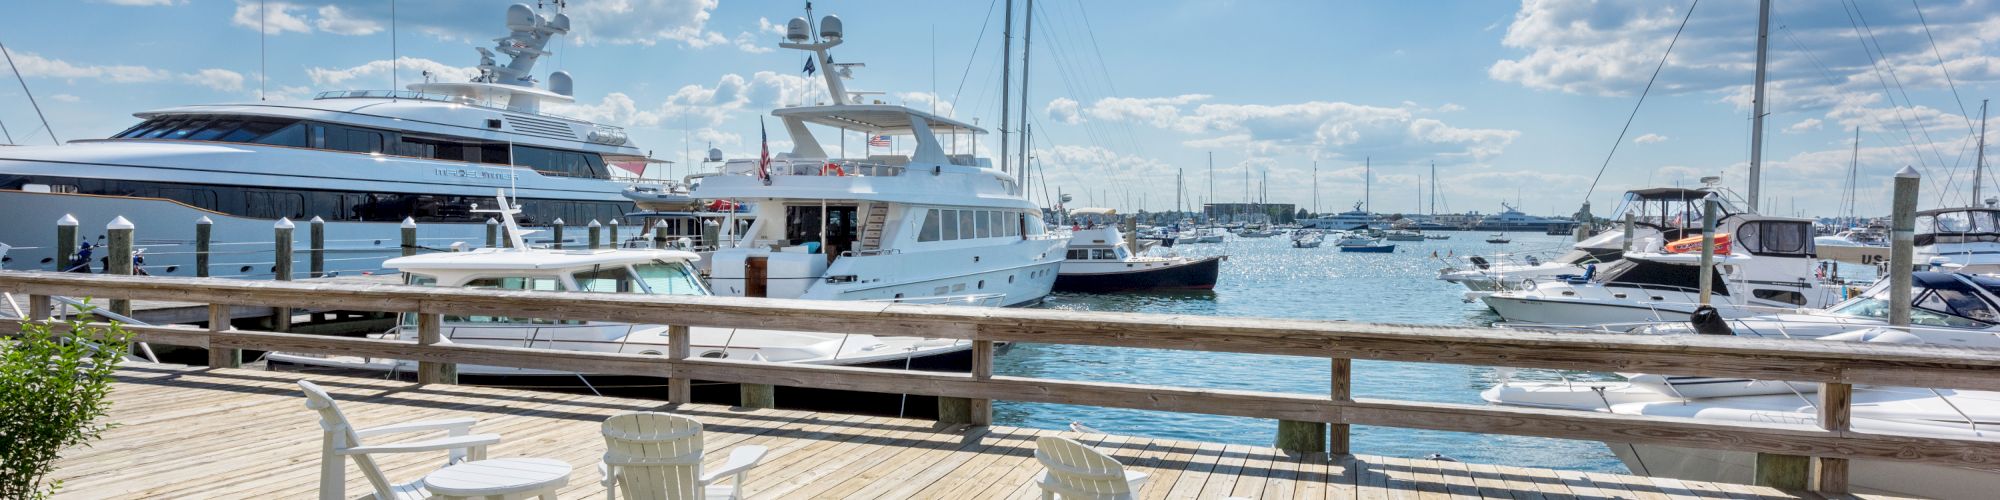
(878, 141)
(764, 160)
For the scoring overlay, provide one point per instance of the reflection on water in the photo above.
(1269, 278)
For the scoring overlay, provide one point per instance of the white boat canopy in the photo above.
(1093, 211)
(875, 119)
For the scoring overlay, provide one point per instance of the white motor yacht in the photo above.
(1664, 213)
(1770, 267)
(627, 271)
(1965, 238)
(933, 223)
(361, 160)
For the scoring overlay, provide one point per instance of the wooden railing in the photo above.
(1834, 365)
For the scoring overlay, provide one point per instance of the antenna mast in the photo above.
(1027, 39)
(1979, 168)
(1006, 79)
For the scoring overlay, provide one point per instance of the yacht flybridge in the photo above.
(935, 223)
(363, 161)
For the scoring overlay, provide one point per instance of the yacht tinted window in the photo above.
(931, 226)
(984, 223)
(164, 127)
(215, 129)
(965, 224)
(293, 135)
(669, 278)
(607, 279)
(950, 224)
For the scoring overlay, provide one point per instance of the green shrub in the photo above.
(52, 397)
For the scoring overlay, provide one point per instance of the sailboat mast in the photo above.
(1315, 210)
(1853, 196)
(1434, 189)
(1367, 183)
(1979, 167)
(1006, 79)
(1027, 39)
(1757, 104)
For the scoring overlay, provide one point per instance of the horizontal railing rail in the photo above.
(1836, 365)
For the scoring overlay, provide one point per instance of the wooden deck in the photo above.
(201, 433)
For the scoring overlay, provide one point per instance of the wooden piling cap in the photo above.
(119, 223)
(284, 223)
(66, 220)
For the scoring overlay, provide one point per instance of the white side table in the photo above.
(500, 479)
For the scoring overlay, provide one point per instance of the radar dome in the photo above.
(560, 23)
(560, 83)
(714, 154)
(520, 17)
(829, 27)
(797, 30)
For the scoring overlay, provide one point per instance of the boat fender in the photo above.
(1528, 284)
(832, 167)
(1707, 321)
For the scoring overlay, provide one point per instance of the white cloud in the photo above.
(645, 22)
(1649, 139)
(218, 79)
(145, 3)
(34, 65)
(1335, 128)
(1064, 110)
(1805, 125)
(280, 18)
(411, 69)
(66, 98)
(748, 42)
(333, 20)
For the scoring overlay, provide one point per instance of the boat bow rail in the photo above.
(1834, 366)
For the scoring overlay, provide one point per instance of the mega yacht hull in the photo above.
(1198, 274)
(1864, 476)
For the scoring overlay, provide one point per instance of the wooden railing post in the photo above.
(1343, 391)
(65, 242)
(680, 390)
(409, 236)
(118, 260)
(218, 356)
(1309, 438)
(1835, 409)
(596, 230)
(757, 395)
(316, 237)
(39, 307)
(982, 369)
(204, 231)
(281, 269)
(430, 331)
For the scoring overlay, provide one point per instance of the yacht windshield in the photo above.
(669, 278)
(615, 279)
(1949, 308)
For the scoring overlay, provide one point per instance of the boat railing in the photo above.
(1835, 367)
(820, 167)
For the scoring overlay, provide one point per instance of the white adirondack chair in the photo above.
(1076, 471)
(343, 440)
(650, 455)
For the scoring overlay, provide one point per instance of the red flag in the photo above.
(635, 167)
(764, 161)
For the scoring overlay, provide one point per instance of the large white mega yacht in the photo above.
(932, 224)
(361, 160)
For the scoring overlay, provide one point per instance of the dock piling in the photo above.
(118, 260)
(409, 236)
(556, 230)
(65, 241)
(492, 232)
(1708, 248)
(204, 232)
(596, 230)
(316, 239)
(613, 226)
(281, 269)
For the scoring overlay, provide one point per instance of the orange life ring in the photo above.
(835, 167)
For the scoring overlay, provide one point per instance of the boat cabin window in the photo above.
(340, 137)
(802, 225)
(1649, 274)
(1933, 307)
(534, 283)
(933, 228)
(669, 278)
(1078, 254)
(1776, 238)
(301, 204)
(607, 279)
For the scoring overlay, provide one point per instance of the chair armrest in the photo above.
(443, 443)
(454, 424)
(1136, 478)
(741, 459)
(610, 477)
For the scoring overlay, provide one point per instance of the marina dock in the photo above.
(190, 432)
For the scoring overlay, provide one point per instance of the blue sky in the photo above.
(1511, 100)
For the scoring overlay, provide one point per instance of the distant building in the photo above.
(1278, 213)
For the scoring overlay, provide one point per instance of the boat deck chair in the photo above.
(651, 455)
(1076, 471)
(341, 439)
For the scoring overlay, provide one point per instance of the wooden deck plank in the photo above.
(195, 432)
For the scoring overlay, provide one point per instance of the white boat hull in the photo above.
(1863, 476)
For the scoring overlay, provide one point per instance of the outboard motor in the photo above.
(1707, 321)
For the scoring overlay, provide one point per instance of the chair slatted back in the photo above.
(340, 435)
(657, 455)
(1079, 471)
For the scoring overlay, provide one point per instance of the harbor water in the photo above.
(1267, 277)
